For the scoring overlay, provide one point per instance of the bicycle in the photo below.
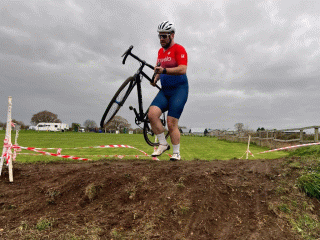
(122, 94)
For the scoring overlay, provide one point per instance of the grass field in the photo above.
(192, 148)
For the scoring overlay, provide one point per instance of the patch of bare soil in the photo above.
(146, 200)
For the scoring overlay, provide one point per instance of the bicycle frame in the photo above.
(141, 115)
(119, 99)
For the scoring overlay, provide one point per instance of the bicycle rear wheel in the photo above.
(117, 101)
(149, 135)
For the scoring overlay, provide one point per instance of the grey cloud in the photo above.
(244, 14)
(249, 61)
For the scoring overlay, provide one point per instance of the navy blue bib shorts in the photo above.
(173, 95)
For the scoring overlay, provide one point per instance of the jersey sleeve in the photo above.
(181, 56)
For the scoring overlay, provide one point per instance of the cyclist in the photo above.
(173, 59)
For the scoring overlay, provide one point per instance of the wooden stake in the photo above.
(248, 146)
(8, 137)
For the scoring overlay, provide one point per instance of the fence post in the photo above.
(301, 135)
(316, 134)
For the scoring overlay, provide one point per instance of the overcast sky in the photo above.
(252, 62)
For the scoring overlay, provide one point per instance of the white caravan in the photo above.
(52, 127)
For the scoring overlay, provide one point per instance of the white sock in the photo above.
(162, 139)
(176, 148)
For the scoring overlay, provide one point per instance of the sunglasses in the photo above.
(164, 36)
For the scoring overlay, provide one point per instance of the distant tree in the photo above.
(239, 127)
(117, 123)
(138, 131)
(90, 124)
(75, 127)
(206, 132)
(45, 116)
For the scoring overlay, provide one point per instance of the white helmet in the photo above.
(166, 26)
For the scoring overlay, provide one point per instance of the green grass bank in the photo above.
(192, 147)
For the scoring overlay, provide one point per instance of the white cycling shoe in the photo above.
(161, 149)
(175, 157)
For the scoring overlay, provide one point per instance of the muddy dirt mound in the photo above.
(145, 200)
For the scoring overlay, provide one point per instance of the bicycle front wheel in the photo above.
(117, 101)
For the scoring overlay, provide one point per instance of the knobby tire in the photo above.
(117, 101)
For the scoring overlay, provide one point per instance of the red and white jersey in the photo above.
(172, 57)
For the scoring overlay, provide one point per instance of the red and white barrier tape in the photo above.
(248, 151)
(58, 154)
(8, 150)
(103, 146)
(82, 156)
(55, 154)
(7, 153)
(296, 146)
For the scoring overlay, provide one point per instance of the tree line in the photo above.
(117, 123)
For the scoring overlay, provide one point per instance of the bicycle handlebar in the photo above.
(128, 52)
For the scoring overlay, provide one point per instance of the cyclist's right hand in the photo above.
(156, 78)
